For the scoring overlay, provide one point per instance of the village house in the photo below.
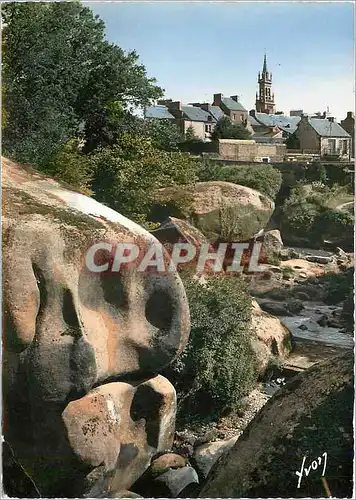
(199, 120)
(323, 136)
(349, 125)
(231, 107)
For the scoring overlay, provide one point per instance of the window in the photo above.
(344, 145)
(332, 145)
(207, 128)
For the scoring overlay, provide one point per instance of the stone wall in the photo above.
(249, 150)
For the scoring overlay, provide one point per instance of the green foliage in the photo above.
(209, 171)
(218, 365)
(264, 178)
(164, 134)
(226, 129)
(316, 172)
(306, 214)
(338, 286)
(69, 165)
(287, 272)
(190, 134)
(63, 78)
(127, 174)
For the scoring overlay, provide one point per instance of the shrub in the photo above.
(264, 178)
(218, 365)
(338, 286)
(127, 174)
(226, 129)
(69, 165)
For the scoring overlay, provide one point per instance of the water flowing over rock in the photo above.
(84, 409)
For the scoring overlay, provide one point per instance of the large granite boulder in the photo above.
(84, 409)
(310, 417)
(221, 210)
(272, 339)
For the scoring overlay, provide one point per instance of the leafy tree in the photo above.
(164, 134)
(190, 134)
(226, 129)
(127, 174)
(218, 366)
(63, 78)
(316, 172)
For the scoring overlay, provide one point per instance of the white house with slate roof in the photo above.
(184, 116)
(324, 137)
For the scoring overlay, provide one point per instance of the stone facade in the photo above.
(235, 115)
(265, 97)
(252, 151)
(349, 125)
(324, 144)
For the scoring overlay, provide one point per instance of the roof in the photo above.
(158, 111)
(326, 128)
(196, 114)
(253, 121)
(216, 112)
(232, 105)
(286, 123)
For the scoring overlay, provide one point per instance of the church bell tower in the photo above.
(265, 98)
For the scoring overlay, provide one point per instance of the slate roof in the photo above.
(196, 114)
(325, 128)
(286, 123)
(232, 105)
(216, 112)
(253, 121)
(158, 111)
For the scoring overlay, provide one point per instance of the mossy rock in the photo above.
(221, 210)
(311, 415)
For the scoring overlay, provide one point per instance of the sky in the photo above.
(196, 49)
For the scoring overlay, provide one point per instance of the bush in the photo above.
(338, 286)
(264, 178)
(226, 129)
(218, 366)
(69, 165)
(127, 174)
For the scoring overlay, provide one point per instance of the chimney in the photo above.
(331, 119)
(350, 114)
(164, 102)
(175, 105)
(253, 113)
(217, 99)
(235, 98)
(324, 115)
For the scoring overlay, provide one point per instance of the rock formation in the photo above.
(84, 406)
(309, 417)
(221, 210)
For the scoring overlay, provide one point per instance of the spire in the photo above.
(264, 64)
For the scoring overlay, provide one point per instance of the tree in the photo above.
(164, 134)
(63, 79)
(225, 129)
(127, 174)
(190, 134)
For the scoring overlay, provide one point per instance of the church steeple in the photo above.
(265, 99)
(265, 64)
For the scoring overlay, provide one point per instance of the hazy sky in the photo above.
(197, 49)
